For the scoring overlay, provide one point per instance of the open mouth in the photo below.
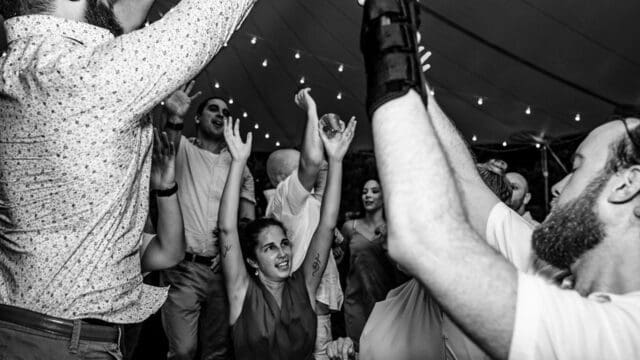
(283, 265)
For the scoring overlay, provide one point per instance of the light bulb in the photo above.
(256, 126)
(230, 101)
(537, 146)
(216, 85)
(480, 101)
(254, 40)
(339, 96)
(474, 138)
(504, 144)
(528, 110)
(302, 80)
(277, 143)
(266, 136)
(341, 68)
(297, 55)
(433, 92)
(244, 114)
(265, 63)
(577, 117)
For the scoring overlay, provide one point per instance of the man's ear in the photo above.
(627, 185)
(527, 198)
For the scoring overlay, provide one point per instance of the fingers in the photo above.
(236, 128)
(195, 95)
(249, 138)
(332, 351)
(189, 86)
(165, 144)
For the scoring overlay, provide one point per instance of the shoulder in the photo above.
(348, 227)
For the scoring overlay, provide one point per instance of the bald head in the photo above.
(282, 163)
(520, 196)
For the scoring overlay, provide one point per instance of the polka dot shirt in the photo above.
(75, 154)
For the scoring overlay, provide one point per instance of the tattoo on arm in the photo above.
(225, 250)
(316, 264)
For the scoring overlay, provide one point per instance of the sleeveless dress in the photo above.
(371, 275)
(265, 331)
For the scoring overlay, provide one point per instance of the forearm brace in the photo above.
(389, 44)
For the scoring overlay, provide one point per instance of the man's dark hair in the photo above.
(496, 182)
(202, 105)
(626, 151)
(11, 8)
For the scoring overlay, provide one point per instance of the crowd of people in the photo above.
(441, 261)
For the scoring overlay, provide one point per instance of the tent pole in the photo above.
(545, 174)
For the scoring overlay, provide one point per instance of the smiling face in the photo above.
(372, 196)
(211, 120)
(273, 254)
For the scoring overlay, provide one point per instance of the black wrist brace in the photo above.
(389, 44)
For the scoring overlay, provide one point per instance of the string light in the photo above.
(254, 40)
(265, 63)
(504, 144)
(577, 118)
(162, 103)
(278, 143)
(339, 96)
(480, 101)
(216, 85)
(244, 114)
(266, 136)
(297, 55)
(341, 68)
(474, 138)
(528, 110)
(432, 92)
(537, 146)
(302, 80)
(230, 101)
(256, 126)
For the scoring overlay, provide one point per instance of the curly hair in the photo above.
(11, 8)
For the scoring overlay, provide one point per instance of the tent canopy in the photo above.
(590, 44)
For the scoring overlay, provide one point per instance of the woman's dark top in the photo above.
(265, 331)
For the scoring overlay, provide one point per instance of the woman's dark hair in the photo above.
(250, 231)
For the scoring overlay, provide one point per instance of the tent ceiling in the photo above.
(588, 43)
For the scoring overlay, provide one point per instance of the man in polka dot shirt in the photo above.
(75, 156)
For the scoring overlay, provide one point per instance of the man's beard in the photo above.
(101, 15)
(571, 229)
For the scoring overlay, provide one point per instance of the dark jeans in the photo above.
(196, 315)
(19, 342)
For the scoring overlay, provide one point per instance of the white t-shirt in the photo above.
(510, 234)
(299, 212)
(552, 323)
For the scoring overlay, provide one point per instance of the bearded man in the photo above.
(75, 157)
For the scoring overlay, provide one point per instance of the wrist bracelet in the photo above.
(167, 192)
(172, 126)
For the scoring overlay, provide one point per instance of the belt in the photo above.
(90, 329)
(204, 260)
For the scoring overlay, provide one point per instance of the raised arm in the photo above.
(477, 198)
(167, 248)
(235, 272)
(315, 260)
(176, 107)
(312, 153)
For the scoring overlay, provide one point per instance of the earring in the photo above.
(256, 273)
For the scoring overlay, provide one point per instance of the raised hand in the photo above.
(341, 349)
(179, 101)
(239, 150)
(337, 145)
(164, 162)
(304, 100)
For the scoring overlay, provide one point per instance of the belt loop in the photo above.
(75, 336)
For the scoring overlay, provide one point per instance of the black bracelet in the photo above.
(172, 126)
(167, 192)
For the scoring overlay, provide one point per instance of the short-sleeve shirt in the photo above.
(299, 212)
(552, 323)
(201, 176)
